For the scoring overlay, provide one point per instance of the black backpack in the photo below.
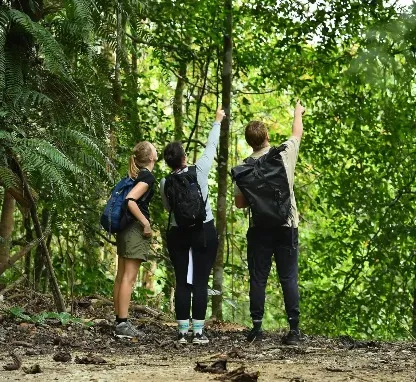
(185, 198)
(264, 184)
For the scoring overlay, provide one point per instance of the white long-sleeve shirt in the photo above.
(203, 167)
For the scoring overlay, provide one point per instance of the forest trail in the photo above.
(36, 338)
(157, 357)
(274, 363)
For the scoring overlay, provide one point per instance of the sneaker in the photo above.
(182, 338)
(200, 339)
(255, 334)
(126, 330)
(292, 338)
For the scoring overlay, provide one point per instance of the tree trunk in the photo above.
(414, 313)
(12, 260)
(117, 82)
(39, 261)
(6, 226)
(59, 302)
(178, 102)
(28, 256)
(134, 109)
(414, 303)
(221, 221)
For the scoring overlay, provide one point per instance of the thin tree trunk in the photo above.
(28, 256)
(12, 260)
(178, 102)
(414, 304)
(221, 221)
(117, 82)
(59, 302)
(6, 226)
(39, 261)
(134, 112)
(414, 313)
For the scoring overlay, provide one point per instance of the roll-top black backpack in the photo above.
(264, 184)
(185, 198)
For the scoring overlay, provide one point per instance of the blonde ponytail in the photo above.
(133, 169)
(140, 158)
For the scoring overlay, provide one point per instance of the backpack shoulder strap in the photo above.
(192, 170)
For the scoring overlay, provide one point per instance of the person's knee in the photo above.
(129, 278)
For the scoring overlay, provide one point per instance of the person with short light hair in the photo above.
(281, 241)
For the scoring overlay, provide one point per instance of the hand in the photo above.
(299, 109)
(147, 230)
(220, 115)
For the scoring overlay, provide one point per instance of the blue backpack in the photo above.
(115, 216)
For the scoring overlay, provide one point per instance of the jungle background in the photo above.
(81, 81)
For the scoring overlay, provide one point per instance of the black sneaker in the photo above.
(292, 338)
(200, 339)
(182, 338)
(255, 334)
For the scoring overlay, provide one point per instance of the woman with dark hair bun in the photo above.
(192, 239)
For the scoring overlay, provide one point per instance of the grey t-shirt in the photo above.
(203, 167)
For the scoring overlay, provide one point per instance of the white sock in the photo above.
(197, 326)
(183, 326)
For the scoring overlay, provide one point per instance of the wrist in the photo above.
(217, 122)
(298, 114)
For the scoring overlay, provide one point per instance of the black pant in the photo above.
(204, 243)
(262, 244)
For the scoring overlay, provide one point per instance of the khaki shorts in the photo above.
(132, 244)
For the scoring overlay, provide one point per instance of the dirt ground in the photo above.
(156, 356)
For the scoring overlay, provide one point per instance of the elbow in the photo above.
(240, 203)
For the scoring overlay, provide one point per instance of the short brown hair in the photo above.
(256, 134)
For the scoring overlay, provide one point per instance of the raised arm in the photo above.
(204, 163)
(297, 128)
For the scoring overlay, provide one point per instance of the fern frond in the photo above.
(31, 98)
(86, 141)
(6, 137)
(50, 49)
(4, 26)
(91, 162)
(32, 161)
(55, 156)
(14, 75)
(8, 178)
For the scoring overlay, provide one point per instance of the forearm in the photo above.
(135, 211)
(207, 158)
(297, 128)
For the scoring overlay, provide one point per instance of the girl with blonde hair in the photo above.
(133, 243)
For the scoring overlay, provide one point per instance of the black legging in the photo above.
(204, 243)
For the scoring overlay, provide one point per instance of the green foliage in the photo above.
(71, 122)
(64, 318)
